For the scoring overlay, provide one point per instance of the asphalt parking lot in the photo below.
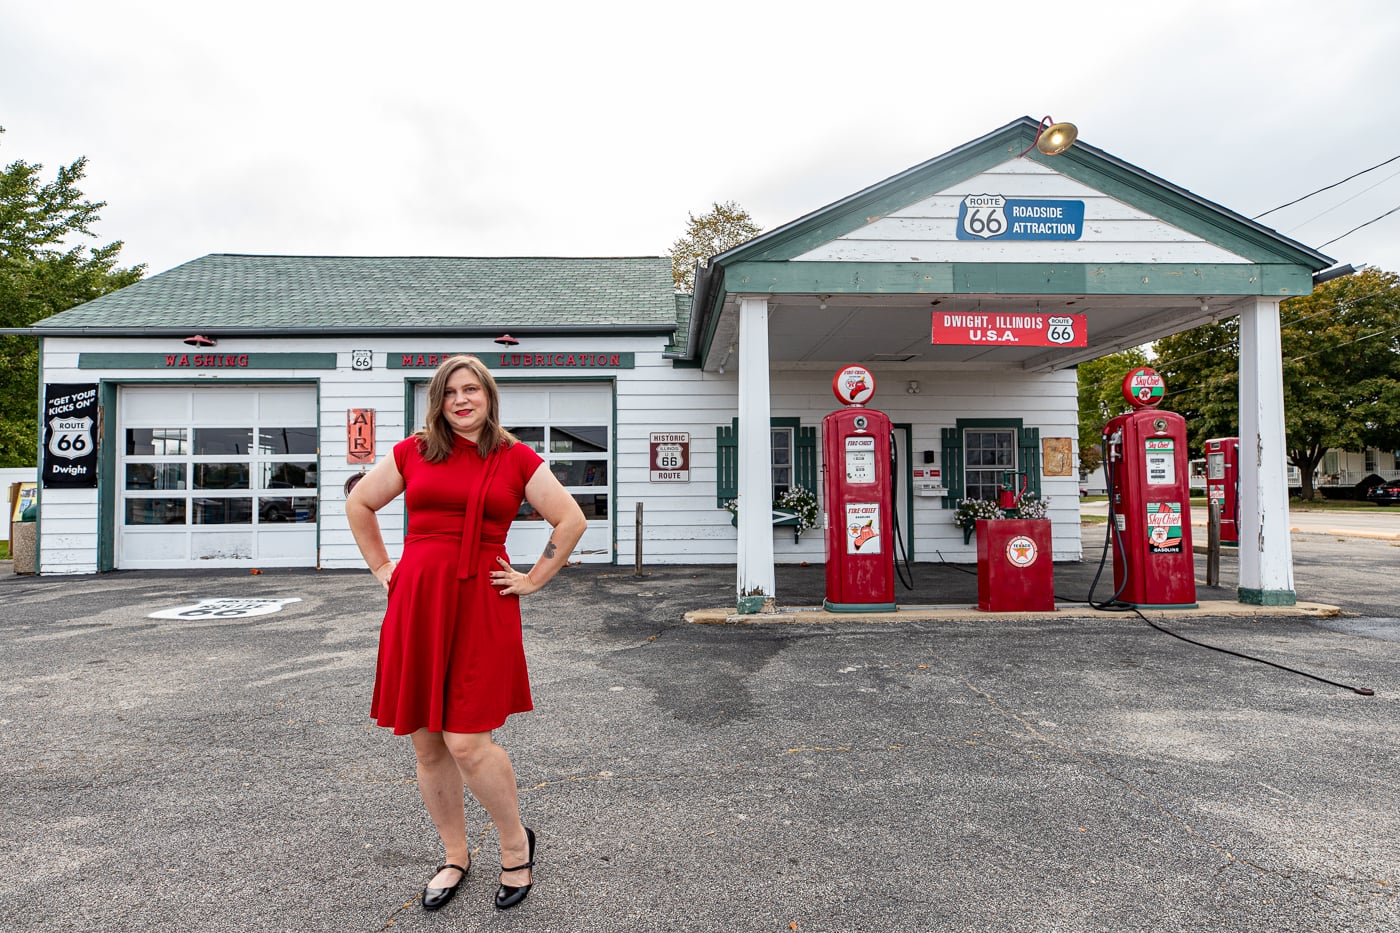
(1068, 773)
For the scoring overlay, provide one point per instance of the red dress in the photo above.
(450, 652)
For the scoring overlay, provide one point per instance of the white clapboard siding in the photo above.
(1114, 232)
(681, 521)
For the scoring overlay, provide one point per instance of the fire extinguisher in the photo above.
(1007, 496)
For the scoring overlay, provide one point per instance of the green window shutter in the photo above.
(726, 463)
(1028, 459)
(953, 464)
(805, 453)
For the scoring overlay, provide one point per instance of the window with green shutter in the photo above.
(794, 454)
(980, 451)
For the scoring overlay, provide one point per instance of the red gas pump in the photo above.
(1150, 499)
(1223, 485)
(856, 446)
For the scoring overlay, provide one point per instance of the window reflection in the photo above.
(531, 435)
(277, 441)
(580, 472)
(155, 511)
(578, 440)
(221, 476)
(155, 476)
(155, 442)
(223, 511)
(222, 441)
(286, 509)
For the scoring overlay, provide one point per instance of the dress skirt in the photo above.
(451, 657)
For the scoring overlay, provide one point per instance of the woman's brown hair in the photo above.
(436, 438)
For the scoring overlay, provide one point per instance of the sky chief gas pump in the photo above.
(1150, 499)
(857, 483)
(1223, 485)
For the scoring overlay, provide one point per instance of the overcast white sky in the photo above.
(592, 129)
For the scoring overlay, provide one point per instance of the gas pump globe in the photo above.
(1150, 499)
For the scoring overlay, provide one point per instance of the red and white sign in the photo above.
(670, 457)
(359, 435)
(1010, 329)
(853, 385)
(1021, 551)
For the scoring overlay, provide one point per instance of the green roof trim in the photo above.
(765, 264)
(1015, 278)
(341, 293)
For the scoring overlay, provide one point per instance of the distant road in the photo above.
(1378, 522)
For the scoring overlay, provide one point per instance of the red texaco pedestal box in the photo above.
(1015, 572)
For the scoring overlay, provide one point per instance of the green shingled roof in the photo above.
(278, 293)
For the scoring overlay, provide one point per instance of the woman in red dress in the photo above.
(451, 663)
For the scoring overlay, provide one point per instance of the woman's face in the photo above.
(464, 403)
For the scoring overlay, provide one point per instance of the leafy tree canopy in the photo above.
(723, 228)
(1101, 398)
(44, 269)
(1341, 371)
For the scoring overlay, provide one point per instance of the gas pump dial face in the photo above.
(860, 422)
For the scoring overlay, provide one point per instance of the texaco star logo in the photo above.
(1021, 551)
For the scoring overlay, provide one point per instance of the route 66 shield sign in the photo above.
(983, 215)
(70, 438)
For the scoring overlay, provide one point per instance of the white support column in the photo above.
(755, 570)
(1266, 550)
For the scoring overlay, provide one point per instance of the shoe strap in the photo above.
(529, 864)
(447, 866)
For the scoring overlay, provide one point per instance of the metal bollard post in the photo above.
(1213, 545)
(638, 570)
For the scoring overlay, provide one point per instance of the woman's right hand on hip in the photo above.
(384, 571)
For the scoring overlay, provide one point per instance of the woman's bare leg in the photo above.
(440, 783)
(485, 768)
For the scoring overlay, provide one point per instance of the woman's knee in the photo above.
(430, 748)
(472, 751)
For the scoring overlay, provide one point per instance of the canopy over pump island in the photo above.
(214, 414)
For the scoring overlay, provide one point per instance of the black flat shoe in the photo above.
(507, 896)
(437, 898)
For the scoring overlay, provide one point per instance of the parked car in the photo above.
(1384, 493)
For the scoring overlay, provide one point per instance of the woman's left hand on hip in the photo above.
(511, 582)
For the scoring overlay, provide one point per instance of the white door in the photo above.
(216, 476)
(570, 426)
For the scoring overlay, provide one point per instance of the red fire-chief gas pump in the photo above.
(1150, 499)
(856, 446)
(1223, 485)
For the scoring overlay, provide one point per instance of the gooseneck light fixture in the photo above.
(1053, 138)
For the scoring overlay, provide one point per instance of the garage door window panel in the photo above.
(155, 512)
(155, 476)
(156, 442)
(214, 442)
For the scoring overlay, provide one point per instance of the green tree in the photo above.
(723, 228)
(1341, 371)
(44, 269)
(1100, 398)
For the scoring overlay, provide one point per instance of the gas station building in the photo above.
(231, 398)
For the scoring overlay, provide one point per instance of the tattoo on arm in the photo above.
(549, 549)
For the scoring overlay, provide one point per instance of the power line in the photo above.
(1359, 226)
(1327, 188)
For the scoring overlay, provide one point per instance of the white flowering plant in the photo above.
(971, 511)
(1032, 506)
(802, 502)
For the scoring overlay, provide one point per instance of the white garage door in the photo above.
(217, 476)
(570, 426)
